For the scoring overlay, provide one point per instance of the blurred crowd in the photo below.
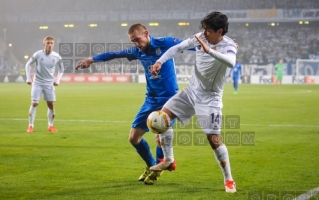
(259, 43)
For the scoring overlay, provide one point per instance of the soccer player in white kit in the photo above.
(43, 81)
(215, 52)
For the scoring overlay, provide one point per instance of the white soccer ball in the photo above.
(158, 122)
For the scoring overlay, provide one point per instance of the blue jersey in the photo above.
(163, 85)
(236, 70)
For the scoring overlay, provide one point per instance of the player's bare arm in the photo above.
(85, 63)
(155, 68)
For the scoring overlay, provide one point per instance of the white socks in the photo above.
(50, 117)
(32, 113)
(221, 155)
(166, 139)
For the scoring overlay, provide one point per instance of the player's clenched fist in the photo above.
(85, 63)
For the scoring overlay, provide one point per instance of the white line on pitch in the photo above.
(119, 121)
(308, 195)
(67, 120)
(281, 125)
(293, 125)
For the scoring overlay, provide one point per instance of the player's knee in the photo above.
(214, 140)
(135, 136)
(131, 137)
(50, 105)
(34, 104)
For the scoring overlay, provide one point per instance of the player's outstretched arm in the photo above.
(126, 53)
(84, 63)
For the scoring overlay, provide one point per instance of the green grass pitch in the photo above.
(90, 157)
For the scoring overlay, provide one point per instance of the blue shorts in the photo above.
(150, 104)
(235, 79)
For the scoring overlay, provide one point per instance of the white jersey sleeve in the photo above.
(32, 60)
(228, 59)
(60, 70)
(173, 51)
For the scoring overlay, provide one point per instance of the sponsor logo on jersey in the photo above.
(231, 51)
(158, 51)
(150, 72)
(154, 77)
(199, 47)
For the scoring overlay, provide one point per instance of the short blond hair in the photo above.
(138, 27)
(48, 38)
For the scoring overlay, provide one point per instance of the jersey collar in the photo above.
(151, 46)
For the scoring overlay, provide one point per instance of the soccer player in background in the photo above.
(215, 52)
(279, 68)
(159, 89)
(43, 81)
(235, 72)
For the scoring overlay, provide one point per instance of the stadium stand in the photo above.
(259, 42)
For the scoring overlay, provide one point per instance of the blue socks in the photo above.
(159, 154)
(143, 150)
(236, 86)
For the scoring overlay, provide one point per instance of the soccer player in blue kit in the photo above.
(159, 89)
(235, 72)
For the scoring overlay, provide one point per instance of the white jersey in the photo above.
(45, 68)
(210, 68)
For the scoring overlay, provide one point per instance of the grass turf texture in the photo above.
(94, 160)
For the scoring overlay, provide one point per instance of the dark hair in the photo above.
(215, 21)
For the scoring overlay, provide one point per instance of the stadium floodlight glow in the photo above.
(93, 25)
(43, 27)
(10, 45)
(183, 23)
(272, 24)
(124, 24)
(246, 24)
(26, 57)
(306, 22)
(68, 25)
(153, 24)
(300, 22)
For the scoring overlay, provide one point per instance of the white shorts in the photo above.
(185, 104)
(48, 92)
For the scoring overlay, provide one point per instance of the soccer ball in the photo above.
(158, 122)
